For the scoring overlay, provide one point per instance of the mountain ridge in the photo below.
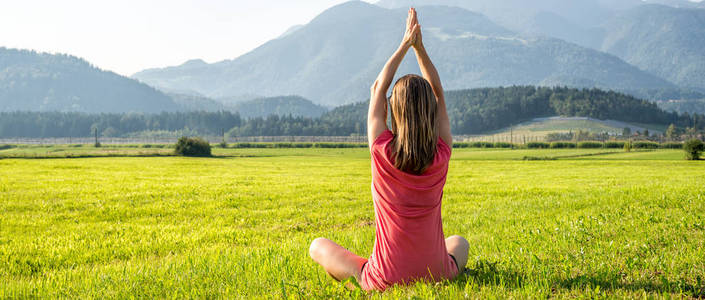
(40, 81)
(333, 59)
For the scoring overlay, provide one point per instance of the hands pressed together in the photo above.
(377, 114)
(412, 35)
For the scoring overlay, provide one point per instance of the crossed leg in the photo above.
(338, 262)
(458, 247)
(341, 264)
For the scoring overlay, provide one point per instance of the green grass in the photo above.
(622, 225)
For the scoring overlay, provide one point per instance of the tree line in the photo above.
(471, 111)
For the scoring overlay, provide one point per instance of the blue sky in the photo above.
(127, 36)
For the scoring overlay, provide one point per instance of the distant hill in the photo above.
(484, 110)
(334, 59)
(32, 81)
(282, 106)
(475, 111)
(668, 42)
(191, 102)
(259, 107)
(540, 127)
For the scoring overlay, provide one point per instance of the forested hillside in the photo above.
(281, 106)
(33, 81)
(471, 112)
(74, 124)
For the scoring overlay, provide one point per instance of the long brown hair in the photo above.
(414, 124)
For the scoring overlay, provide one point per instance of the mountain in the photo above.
(678, 3)
(665, 41)
(334, 59)
(260, 107)
(32, 81)
(662, 37)
(191, 102)
(517, 14)
(285, 105)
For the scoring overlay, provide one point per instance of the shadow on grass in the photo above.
(486, 273)
(616, 281)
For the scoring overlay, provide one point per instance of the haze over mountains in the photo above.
(625, 45)
(45, 82)
(333, 59)
(31, 81)
(663, 37)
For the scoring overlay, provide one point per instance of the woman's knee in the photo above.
(457, 241)
(317, 248)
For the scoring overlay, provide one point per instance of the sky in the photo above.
(127, 36)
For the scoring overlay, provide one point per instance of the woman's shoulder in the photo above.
(443, 150)
(382, 140)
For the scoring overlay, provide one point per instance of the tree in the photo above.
(671, 132)
(626, 131)
(693, 149)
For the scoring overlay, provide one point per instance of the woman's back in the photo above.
(409, 169)
(409, 240)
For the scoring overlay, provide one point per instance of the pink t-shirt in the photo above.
(409, 240)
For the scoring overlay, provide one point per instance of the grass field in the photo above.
(590, 224)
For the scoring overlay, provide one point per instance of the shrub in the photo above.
(195, 146)
(590, 145)
(97, 145)
(502, 145)
(146, 146)
(645, 145)
(628, 147)
(693, 149)
(482, 145)
(4, 147)
(223, 145)
(461, 145)
(614, 145)
(672, 146)
(562, 145)
(538, 145)
(75, 145)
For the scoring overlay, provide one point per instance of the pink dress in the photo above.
(409, 240)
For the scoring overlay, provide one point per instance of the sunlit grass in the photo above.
(620, 224)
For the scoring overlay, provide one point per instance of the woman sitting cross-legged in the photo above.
(409, 168)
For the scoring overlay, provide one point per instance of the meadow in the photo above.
(590, 223)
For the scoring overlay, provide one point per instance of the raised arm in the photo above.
(431, 75)
(377, 113)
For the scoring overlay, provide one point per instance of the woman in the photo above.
(409, 168)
